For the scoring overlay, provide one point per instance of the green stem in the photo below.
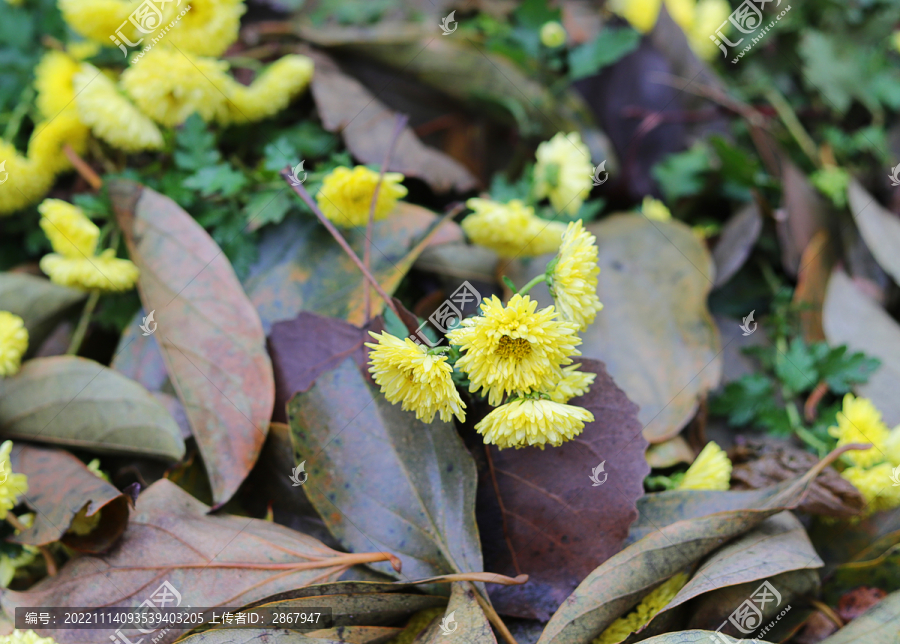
(810, 439)
(537, 280)
(83, 323)
(792, 123)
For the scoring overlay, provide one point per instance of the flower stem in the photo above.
(13, 520)
(83, 323)
(537, 280)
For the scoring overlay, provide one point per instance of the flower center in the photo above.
(516, 349)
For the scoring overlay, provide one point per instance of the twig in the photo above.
(492, 616)
(81, 166)
(399, 124)
(828, 612)
(809, 408)
(83, 323)
(303, 194)
(792, 123)
(13, 520)
(483, 577)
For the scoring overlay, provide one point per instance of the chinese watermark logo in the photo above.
(748, 617)
(895, 476)
(299, 475)
(6, 174)
(895, 180)
(747, 19)
(148, 326)
(147, 19)
(449, 620)
(745, 327)
(595, 475)
(447, 317)
(295, 179)
(446, 22)
(596, 174)
(161, 598)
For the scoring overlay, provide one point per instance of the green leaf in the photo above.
(196, 145)
(534, 13)
(220, 178)
(267, 207)
(38, 301)
(280, 154)
(76, 402)
(797, 368)
(609, 46)
(841, 371)
(744, 399)
(682, 174)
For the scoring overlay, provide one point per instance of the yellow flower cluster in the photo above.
(74, 239)
(25, 637)
(13, 343)
(9, 564)
(624, 626)
(573, 280)
(859, 421)
(408, 374)
(511, 229)
(563, 172)
(14, 486)
(711, 470)
(654, 209)
(173, 80)
(346, 195)
(699, 19)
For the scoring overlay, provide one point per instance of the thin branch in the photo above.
(483, 577)
(303, 194)
(81, 166)
(492, 616)
(399, 124)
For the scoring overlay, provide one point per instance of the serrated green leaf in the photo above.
(797, 367)
(280, 154)
(196, 145)
(841, 371)
(682, 174)
(221, 178)
(609, 46)
(267, 207)
(744, 399)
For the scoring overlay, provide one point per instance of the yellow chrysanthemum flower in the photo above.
(553, 34)
(8, 564)
(711, 470)
(169, 85)
(99, 19)
(698, 20)
(574, 277)
(409, 375)
(514, 348)
(655, 209)
(13, 485)
(876, 486)
(574, 383)
(859, 421)
(511, 229)
(25, 637)
(346, 195)
(74, 238)
(82, 524)
(272, 91)
(53, 82)
(526, 422)
(13, 343)
(24, 181)
(103, 272)
(563, 172)
(45, 149)
(82, 49)
(620, 629)
(110, 115)
(70, 233)
(209, 28)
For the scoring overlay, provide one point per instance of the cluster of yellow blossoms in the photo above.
(25, 637)
(699, 19)
(624, 626)
(13, 343)
(11, 490)
(513, 353)
(168, 81)
(75, 263)
(871, 470)
(345, 197)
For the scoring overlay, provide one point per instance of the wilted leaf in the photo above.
(367, 126)
(37, 301)
(736, 241)
(763, 462)
(695, 637)
(619, 583)
(209, 332)
(812, 281)
(858, 601)
(357, 634)
(557, 523)
(210, 560)
(850, 317)
(138, 356)
(879, 228)
(76, 402)
(379, 476)
(672, 452)
(878, 625)
(59, 486)
(289, 276)
(802, 216)
(471, 626)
